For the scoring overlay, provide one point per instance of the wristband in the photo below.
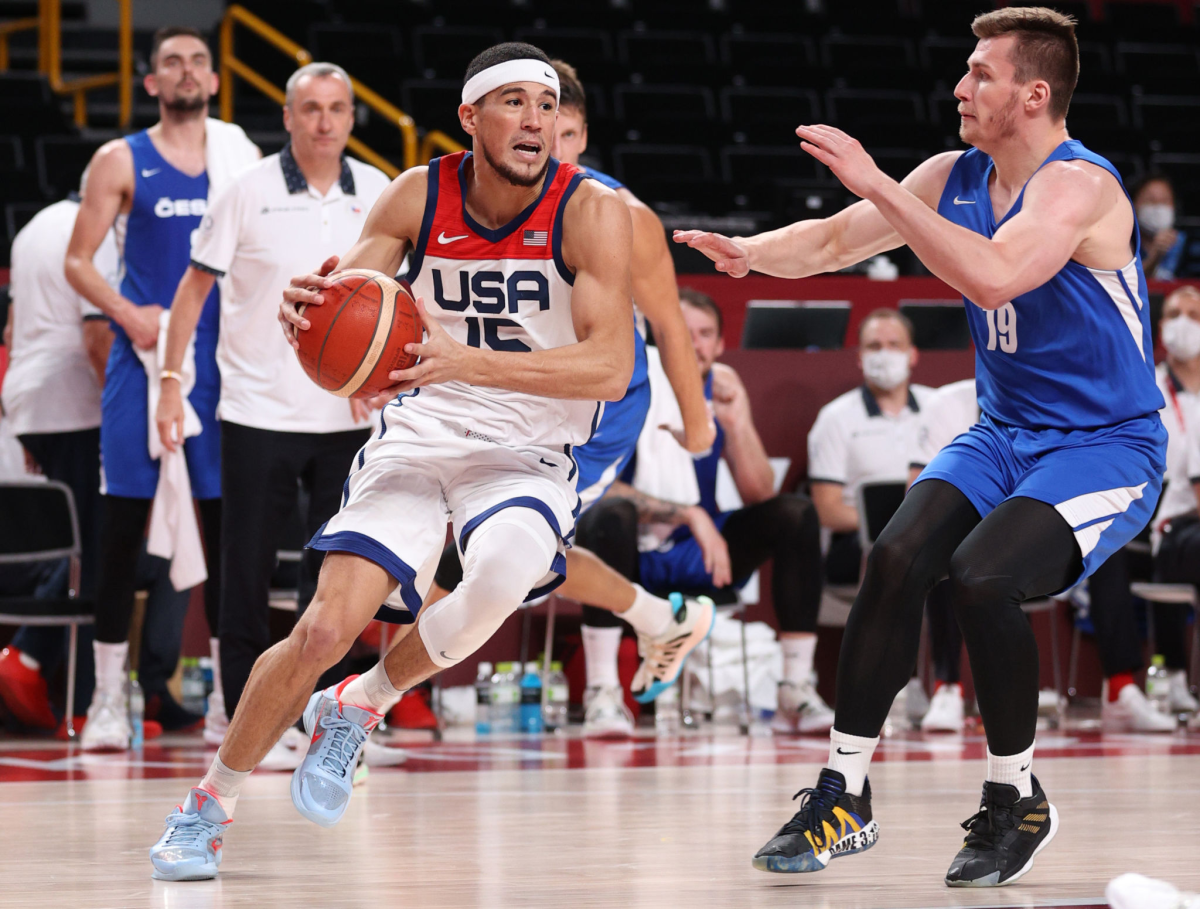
(170, 374)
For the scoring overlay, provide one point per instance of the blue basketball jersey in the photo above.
(706, 466)
(1075, 353)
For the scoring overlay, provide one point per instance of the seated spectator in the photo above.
(1167, 253)
(700, 548)
(867, 434)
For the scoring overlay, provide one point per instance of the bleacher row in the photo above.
(694, 103)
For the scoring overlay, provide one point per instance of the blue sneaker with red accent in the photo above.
(322, 784)
(831, 823)
(190, 847)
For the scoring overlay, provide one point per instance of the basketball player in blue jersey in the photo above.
(480, 432)
(154, 186)
(1065, 465)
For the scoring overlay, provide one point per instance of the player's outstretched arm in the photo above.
(656, 293)
(596, 245)
(1063, 202)
(109, 184)
(391, 228)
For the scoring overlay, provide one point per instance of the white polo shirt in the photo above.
(950, 411)
(853, 440)
(50, 385)
(259, 232)
(1181, 417)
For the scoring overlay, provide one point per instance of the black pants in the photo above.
(843, 565)
(1177, 562)
(261, 472)
(783, 530)
(1023, 549)
(1118, 640)
(73, 458)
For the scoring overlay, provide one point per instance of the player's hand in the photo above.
(712, 545)
(730, 402)
(729, 256)
(141, 324)
(698, 442)
(361, 408)
(303, 290)
(442, 358)
(169, 416)
(843, 155)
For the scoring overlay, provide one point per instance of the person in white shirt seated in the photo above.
(864, 435)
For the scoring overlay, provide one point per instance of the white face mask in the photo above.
(1154, 218)
(886, 369)
(1181, 338)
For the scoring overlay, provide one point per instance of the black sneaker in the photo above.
(1003, 837)
(831, 823)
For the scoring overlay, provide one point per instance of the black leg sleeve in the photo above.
(786, 531)
(449, 572)
(609, 529)
(122, 530)
(210, 525)
(883, 632)
(1117, 637)
(1023, 549)
(945, 638)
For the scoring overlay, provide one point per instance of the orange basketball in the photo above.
(357, 336)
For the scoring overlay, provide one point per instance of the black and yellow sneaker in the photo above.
(831, 823)
(1003, 837)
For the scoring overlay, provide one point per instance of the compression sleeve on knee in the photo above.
(505, 559)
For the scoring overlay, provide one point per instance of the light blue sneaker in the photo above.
(322, 784)
(692, 621)
(190, 847)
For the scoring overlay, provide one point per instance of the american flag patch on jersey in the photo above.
(536, 237)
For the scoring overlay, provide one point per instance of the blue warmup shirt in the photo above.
(168, 206)
(1075, 353)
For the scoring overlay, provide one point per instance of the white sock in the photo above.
(214, 650)
(600, 649)
(649, 614)
(28, 662)
(110, 666)
(224, 783)
(372, 690)
(850, 755)
(1012, 769)
(798, 653)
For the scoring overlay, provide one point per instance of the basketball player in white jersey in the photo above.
(522, 270)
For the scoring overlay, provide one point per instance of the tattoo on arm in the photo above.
(650, 509)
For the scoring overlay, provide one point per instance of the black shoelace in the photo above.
(815, 805)
(987, 825)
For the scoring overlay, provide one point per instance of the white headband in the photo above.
(492, 78)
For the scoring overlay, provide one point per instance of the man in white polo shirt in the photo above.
(277, 428)
(866, 435)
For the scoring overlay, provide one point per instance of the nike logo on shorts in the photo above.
(547, 463)
(147, 172)
(443, 239)
(958, 201)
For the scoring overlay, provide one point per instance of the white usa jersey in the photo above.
(506, 289)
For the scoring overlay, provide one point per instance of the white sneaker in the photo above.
(215, 721)
(1133, 891)
(107, 726)
(916, 702)
(945, 712)
(801, 709)
(287, 753)
(663, 656)
(1132, 712)
(605, 714)
(1180, 698)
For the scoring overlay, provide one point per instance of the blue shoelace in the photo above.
(189, 830)
(345, 738)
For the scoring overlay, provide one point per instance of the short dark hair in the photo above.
(884, 313)
(697, 300)
(174, 31)
(570, 89)
(1046, 48)
(502, 53)
(1151, 176)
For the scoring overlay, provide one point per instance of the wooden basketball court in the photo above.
(656, 822)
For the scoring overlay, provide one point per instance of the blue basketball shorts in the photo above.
(1104, 482)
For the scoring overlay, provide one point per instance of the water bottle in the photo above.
(505, 699)
(554, 716)
(531, 700)
(206, 672)
(1158, 685)
(137, 713)
(483, 699)
(666, 712)
(193, 693)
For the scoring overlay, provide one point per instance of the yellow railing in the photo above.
(49, 28)
(231, 66)
(436, 141)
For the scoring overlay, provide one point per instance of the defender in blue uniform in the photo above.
(1065, 466)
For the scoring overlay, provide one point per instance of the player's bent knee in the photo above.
(321, 641)
(971, 589)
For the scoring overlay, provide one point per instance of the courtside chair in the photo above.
(1183, 594)
(40, 525)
